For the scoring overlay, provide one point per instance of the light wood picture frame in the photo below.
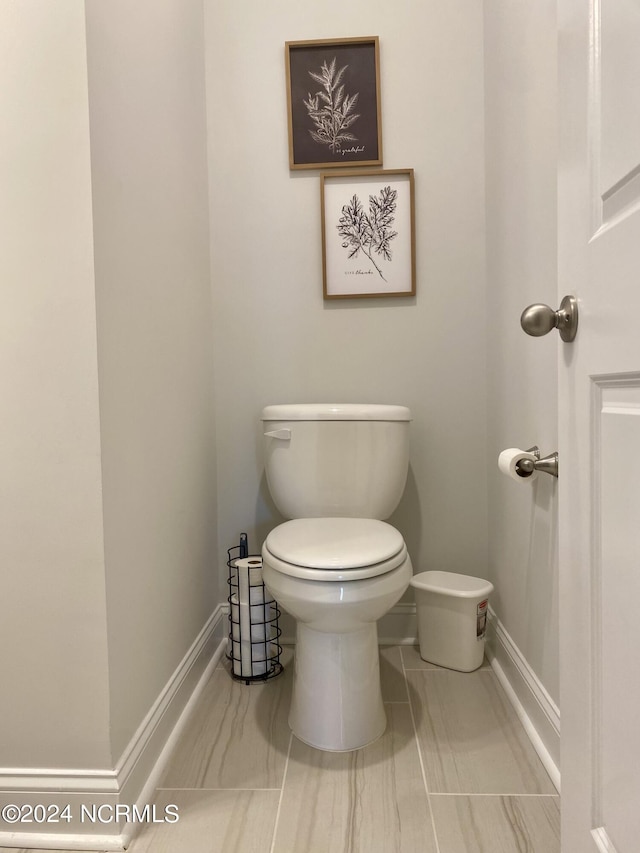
(333, 103)
(368, 233)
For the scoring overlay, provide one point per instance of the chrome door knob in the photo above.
(539, 319)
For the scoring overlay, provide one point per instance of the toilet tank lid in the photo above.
(335, 412)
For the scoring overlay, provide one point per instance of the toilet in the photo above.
(336, 471)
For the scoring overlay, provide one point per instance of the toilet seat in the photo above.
(335, 549)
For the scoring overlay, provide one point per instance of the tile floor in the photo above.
(454, 773)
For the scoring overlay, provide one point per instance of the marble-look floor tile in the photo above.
(411, 660)
(497, 824)
(470, 737)
(371, 800)
(212, 822)
(392, 681)
(237, 737)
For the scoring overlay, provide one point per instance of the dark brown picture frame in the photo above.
(333, 103)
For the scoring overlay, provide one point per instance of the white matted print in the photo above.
(368, 243)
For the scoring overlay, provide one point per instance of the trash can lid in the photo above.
(450, 583)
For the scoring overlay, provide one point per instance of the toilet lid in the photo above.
(334, 543)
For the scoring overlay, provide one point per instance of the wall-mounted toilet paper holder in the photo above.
(548, 464)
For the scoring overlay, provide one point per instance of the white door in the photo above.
(599, 403)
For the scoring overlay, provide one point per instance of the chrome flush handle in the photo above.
(282, 434)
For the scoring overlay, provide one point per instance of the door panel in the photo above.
(616, 622)
(599, 429)
(617, 64)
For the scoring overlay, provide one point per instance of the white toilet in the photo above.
(336, 471)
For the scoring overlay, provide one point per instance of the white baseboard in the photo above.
(536, 710)
(132, 781)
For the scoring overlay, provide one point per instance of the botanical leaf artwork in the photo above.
(370, 233)
(330, 109)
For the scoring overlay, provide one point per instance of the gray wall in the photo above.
(521, 162)
(275, 338)
(108, 555)
(53, 625)
(150, 209)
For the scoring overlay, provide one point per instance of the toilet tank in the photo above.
(325, 459)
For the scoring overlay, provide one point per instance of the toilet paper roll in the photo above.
(252, 609)
(258, 595)
(251, 567)
(242, 662)
(243, 621)
(262, 628)
(264, 655)
(508, 461)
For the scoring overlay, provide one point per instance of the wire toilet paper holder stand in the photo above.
(254, 633)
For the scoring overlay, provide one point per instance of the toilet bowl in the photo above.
(336, 566)
(336, 577)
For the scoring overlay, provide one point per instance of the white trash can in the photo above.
(452, 618)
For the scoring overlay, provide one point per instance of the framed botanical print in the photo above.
(333, 103)
(368, 233)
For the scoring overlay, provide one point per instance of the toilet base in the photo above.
(337, 702)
